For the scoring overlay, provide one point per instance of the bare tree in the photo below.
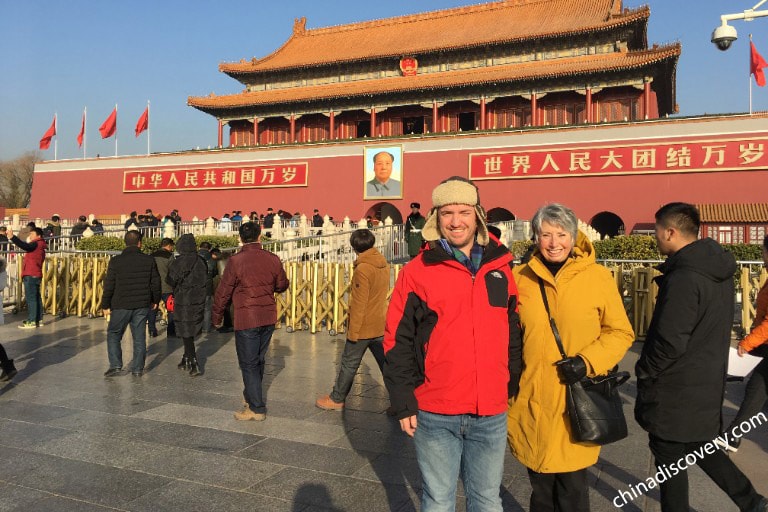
(16, 180)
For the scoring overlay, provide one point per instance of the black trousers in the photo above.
(3, 355)
(755, 395)
(717, 466)
(559, 492)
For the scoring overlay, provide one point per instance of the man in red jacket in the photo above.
(452, 342)
(250, 280)
(32, 275)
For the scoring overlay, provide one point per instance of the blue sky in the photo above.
(60, 56)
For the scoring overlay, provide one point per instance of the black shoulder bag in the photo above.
(593, 404)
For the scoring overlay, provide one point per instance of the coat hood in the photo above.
(705, 257)
(372, 257)
(186, 244)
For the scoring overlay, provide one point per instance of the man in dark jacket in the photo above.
(163, 258)
(32, 275)
(131, 289)
(681, 371)
(453, 349)
(250, 280)
(79, 228)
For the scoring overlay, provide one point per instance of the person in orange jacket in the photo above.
(755, 343)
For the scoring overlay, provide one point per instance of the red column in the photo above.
(534, 111)
(373, 122)
(646, 99)
(221, 133)
(482, 112)
(293, 129)
(332, 127)
(588, 113)
(435, 118)
(255, 131)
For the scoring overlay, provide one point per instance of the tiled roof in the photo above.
(750, 212)
(462, 27)
(548, 70)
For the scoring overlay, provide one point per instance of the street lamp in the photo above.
(725, 34)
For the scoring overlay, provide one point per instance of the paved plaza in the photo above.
(72, 440)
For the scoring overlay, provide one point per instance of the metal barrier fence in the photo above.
(634, 279)
(318, 296)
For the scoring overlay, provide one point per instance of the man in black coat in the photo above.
(681, 371)
(131, 289)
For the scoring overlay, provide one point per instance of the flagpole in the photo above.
(55, 133)
(115, 129)
(148, 128)
(749, 77)
(85, 123)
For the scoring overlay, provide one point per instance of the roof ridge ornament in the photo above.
(300, 26)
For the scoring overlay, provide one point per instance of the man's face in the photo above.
(414, 211)
(458, 224)
(382, 167)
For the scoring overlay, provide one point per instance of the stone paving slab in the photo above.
(167, 441)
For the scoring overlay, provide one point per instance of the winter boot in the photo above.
(8, 370)
(184, 364)
(194, 370)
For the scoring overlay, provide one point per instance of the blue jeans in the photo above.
(118, 321)
(465, 444)
(34, 300)
(171, 330)
(252, 345)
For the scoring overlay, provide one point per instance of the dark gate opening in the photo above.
(467, 121)
(413, 125)
(363, 128)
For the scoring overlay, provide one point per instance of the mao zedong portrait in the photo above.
(382, 184)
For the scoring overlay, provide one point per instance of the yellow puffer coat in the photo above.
(592, 322)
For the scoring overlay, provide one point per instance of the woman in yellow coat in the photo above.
(596, 333)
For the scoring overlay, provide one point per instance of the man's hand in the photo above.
(106, 312)
(741, 351)
(154, 306)
(9, 232)
(571, 369)
(408, 425)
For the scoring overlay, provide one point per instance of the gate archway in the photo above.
(607, 224)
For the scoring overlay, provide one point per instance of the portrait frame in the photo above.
(373, 190)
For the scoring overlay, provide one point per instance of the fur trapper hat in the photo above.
(455, 190)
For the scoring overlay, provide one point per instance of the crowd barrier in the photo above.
(319, 292)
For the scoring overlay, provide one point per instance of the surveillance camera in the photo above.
(723, 36)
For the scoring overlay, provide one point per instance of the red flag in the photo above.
(109, 127)
(143, 123)
(82, 133)
(45, 142)
(756, 65)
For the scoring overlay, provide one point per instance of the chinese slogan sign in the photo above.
(679, 156)
(256, 176)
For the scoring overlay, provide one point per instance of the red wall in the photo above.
(336, 186)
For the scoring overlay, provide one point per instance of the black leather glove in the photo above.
(571, 369)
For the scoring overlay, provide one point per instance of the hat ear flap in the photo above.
(431, 232)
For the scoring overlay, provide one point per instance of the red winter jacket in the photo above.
(452, 340)
(33, 260)
(250, 280)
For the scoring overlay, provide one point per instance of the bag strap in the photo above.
(552, 324)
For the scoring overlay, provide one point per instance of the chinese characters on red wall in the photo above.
(679, 156)
(293, 174)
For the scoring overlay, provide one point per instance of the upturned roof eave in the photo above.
(669, 55)
(641, 15)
